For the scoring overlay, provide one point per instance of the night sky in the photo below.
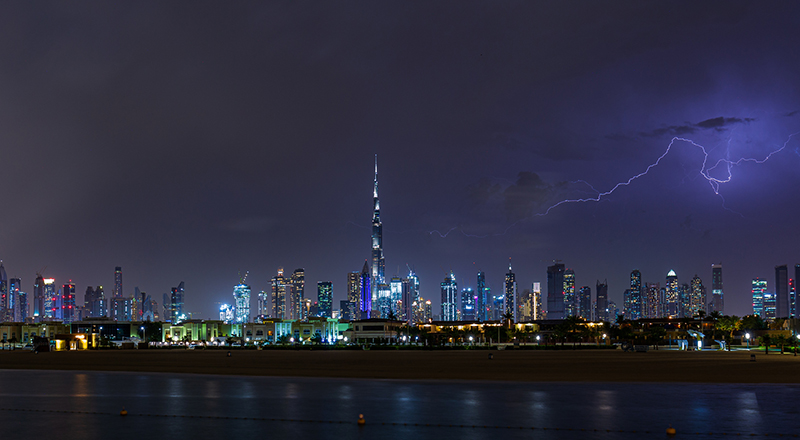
(191, 141)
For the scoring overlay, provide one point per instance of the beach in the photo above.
(505, 365)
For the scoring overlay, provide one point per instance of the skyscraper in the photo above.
(601, 304)
(482, 305)
(672, 295)
(759, 288)
(781, 291)
(4, 297)
(652, 302)
(117, 282)
(697, 297)
(325, 298)
(177, 313)
(298, 283)
(449, 298)
(396, 298)
(68, 302)
(467, 304)
(536, 301)
(38, 298)
(585, 303)
(633, 307)
(94, 302)
(264, 304)
(365, 300)
(353, 296)
(555, 291)
(511, 294)
(280, 288)
(378, 263)
(13, 300)
(717, 297)
(570, 299)
(241, 298)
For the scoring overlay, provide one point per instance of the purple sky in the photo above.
(191, 141)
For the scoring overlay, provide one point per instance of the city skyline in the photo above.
(190, 145)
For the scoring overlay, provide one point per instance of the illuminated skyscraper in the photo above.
(325, 298)
(697, 297)
(781, 291)
(601, 303)
(792, 298)
(759, 288)
(68, 302)
(410, 295)
(4, 297)
(365, 300)
(38, 298)
(396, 298)
(227, 313)
(94, 302)
(570, 299)
(117, 282)
(353, 296)
(717, 297)
(241, 298)
(511, 294)
(449, 298)
(634, 302)
(467, 304)
(672, 295)
(264, 305)
(536, 302)
(177, 312)
(298, 283)
(52, 309)
(280, 288)
(769, 306)
(378, 263)
(585, 303)
(15, 307)
(652, 301)
(482, 305)
(555, 291)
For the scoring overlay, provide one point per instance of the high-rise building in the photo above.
(344, 310)
(241, 298)
(353, 309)
(717, 297)
(14, 309)
(68, 302)
(177, 312)
(498, 302)
(38, 298)
(653, 304)
(378, 263)
(759, 288)
(325, 298)
(570, 298)
(449, 298)
(384, 304)
(601, 303)
(4, 297)
(796, 299)
(118, 282)
(537, 312)
(525, 305)
(781, 291)
(510, 294)
(227, 313)
(264, 305)
(482, 305)
(769, 306)
(684, 301)
(585, 303)
(94, 302)
(365, 299)
(612, 312)
(672, 295)
(697, 297)
(467, 304)
(297, 282)
(792, 299)
(396, 298)
(52, 306)
(280, 288)
(555, 291)
(634, 302)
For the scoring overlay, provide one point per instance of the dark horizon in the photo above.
(193, 143)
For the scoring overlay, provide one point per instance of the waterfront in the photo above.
(198, 401)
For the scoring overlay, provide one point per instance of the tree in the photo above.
(765, 341)
(316, 339)
(655, 335)
(728, 324)
(752, 322)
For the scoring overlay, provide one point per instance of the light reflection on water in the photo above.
(603, 406)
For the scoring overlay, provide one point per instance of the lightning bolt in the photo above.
(705, 171)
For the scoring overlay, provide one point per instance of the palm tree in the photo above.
(728, 324)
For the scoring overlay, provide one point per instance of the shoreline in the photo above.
(608, 366)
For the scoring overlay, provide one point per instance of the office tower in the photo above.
(684, 301)
(427, 310)
(510, 294)
(482, 305)
(38, 298)
(634, 306)
(22, 298)
(555, 291)
(406, 300)
(384, 304)
(118, 282)
(297, 283)
(759, 288)
(353, 297)
(51, 307)
(227, 313)
(498, 303)
(585, 303)
(325, 298)
(570, 298)
(781, 291)
(467, 304)
(241, 298)
(13, 311)
(90, 303)
(344, 310)
(68, 302)
(449, 298)
(264, 304)
(280, 288)
(652, 301)
(697, 297)
(536, 307)
(601, 303)
(149, 308)
(770, 302)
(525, 305)
(672, 294)
(612, 312)
(378, 263)
(4, 297)
(396, 298)
(792, 299)
(796, 300)
(365, 295)
(177, 313)
(717, 303)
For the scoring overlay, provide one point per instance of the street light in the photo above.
(747, 336)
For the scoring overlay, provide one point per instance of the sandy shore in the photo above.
(573, 366)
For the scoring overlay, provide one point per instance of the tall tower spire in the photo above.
(378, 263)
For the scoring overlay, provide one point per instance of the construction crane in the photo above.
(242, 279)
